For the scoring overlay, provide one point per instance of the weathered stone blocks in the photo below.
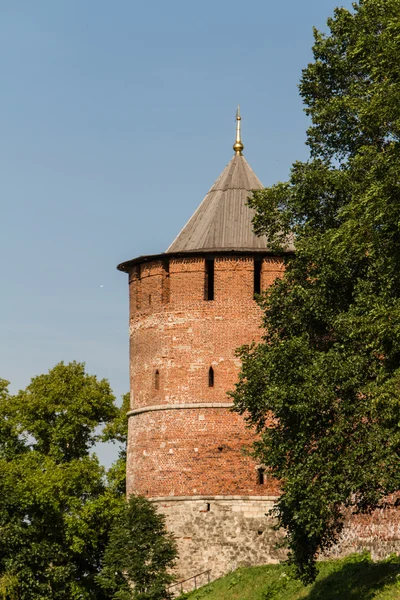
(232, 533)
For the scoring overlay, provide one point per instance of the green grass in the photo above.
(353, 578)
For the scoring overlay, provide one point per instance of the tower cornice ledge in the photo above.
(206, 497)
(215, 252)
(183, 406)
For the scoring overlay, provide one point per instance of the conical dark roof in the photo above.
(223, 220)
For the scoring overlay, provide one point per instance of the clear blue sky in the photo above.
(115, 119)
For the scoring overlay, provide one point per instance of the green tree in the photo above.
(56, 506)
(326, 378)
(11, 444)
(140, 555)
(61, 410)
(117, 431)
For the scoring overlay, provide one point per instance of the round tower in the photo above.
(190, 309)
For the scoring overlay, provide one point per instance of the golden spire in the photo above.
(238, 146)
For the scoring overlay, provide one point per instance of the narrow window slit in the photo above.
(165, 293)
(209, 280)
(260, 476)
(157, 380)
(210, 377)
(138, 277)
(257, 276)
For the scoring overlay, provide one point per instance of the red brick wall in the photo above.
(192, 452)
(175, 331)
(378, 532)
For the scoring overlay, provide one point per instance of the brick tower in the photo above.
(190, 308)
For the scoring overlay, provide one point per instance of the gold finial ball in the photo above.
(238, 147)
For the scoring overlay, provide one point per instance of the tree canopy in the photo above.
(323, 388)
(56, 504)
(140, 555)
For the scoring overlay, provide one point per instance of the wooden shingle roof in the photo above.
(223, 221)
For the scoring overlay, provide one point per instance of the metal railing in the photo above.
(194, 577)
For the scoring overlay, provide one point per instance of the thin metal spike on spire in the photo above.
(238, 146)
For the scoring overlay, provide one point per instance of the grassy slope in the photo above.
(353, 578)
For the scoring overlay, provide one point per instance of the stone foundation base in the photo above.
(221, 533)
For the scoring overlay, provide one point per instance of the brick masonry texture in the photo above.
(175, 337)
(192, 452)
(377, 533)
(185, 336)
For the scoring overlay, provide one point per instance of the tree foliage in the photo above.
(117, 431)
(326, 377)
(61, 410)
(56, 506)
(140, 555)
